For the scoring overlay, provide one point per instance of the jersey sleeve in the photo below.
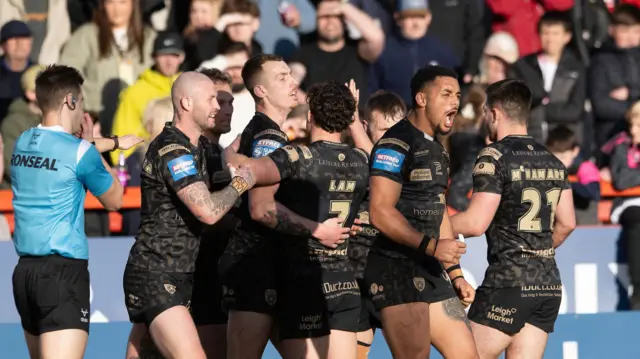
(487, 172)
(266, 142)
(287, 160)
(178, 166)
(389, 159)
(91, 171)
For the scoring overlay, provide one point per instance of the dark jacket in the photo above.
(566, 99)
(402, 58)
(625, 173)
(19, 119)
(460, 24)
(610, 69)
(10, 86)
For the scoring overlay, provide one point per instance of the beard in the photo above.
(329, 40)
(236, 88)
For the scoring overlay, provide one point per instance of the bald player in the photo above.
(176, 203)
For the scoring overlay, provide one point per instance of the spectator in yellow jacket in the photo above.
(154, 83)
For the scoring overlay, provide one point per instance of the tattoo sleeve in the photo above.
(208, 207)
(281, 221)
(454, 310)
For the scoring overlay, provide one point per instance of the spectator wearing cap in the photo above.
(22, 115)
(49, 23)
(333, 56)
(409, 49)
(110, 52)
(557, 79)
(155, 82)
(15, 39)
(500, 52)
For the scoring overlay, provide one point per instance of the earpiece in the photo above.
(73, 100)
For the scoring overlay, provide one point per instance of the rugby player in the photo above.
(523, 201)
(319, 297)
(247, 268)
(176, 201)
(382, 110)
(210, 320)
(409, 176)
(50, 170)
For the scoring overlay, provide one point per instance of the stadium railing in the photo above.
(132, 200)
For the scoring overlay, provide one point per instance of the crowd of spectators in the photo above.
(580, 58)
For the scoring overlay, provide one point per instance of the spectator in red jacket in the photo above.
(520, 18)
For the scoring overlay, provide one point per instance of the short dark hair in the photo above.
(386, 102)
(253, 68)
(513, 97)
(332, 106)
(56, 82)
(626, 15)
(556, 18)
(216, 75)
(226, 46)
(561, 139)
(426, 76)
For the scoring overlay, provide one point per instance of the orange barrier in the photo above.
(132, 199)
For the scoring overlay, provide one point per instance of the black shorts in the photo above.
(369, 315)
(508, 309)
(147, 293)
(312, 305)
(248, 283)
(52, 293)
(206, 300)
(395, 281)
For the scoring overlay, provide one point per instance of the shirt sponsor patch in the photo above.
(388, 160)
(484, 169)
(419, 175)
(182, 167)
(264, 147)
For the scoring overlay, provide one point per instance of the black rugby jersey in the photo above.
(421, 165)
(360, 244)
(169, 234)
(321, 181)
(261, 137)
(530, 180)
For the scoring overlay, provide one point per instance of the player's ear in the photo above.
(421, 99)
(309, 116)
(260, 91)
(186, 103)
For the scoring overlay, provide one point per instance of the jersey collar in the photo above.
(56, 128)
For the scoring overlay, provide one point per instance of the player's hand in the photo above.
(86, 128)
(355, 228)
(449, 250)
(354, 91)
(127, 141)
(331, 233)
(245, 172)
(235, 159)
(465, 291)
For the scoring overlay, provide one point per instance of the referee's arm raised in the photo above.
(98, 177)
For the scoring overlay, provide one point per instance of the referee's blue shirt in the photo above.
(50, 171)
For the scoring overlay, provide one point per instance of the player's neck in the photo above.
(513, 131)
(276, 115)
(421, 122)
(189, 128)
(322, 135)
(212, 137)
(53, 119)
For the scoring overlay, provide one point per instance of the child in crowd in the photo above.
(562, 142)
(625, 173)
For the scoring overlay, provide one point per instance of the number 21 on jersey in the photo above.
(530, 222)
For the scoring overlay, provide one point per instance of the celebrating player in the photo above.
(522, 199)
(382, 111)
(409, 176)
(158, 277)
(248, 267)
(50, 171)
(320, 300)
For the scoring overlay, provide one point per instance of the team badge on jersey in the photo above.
(271, 296)
(264, 147)
(388, 160)
(182, 167)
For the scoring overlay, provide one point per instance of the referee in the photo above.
(50, 170)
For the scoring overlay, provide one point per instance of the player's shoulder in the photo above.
(360, 153)
(495, 151)
(167, 145)
(297, 152)
(400, 135)
(263, 128)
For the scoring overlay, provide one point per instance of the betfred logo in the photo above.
(181, 166)
(387, 160)
(382, 157)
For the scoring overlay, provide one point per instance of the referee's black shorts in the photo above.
(52, 293)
